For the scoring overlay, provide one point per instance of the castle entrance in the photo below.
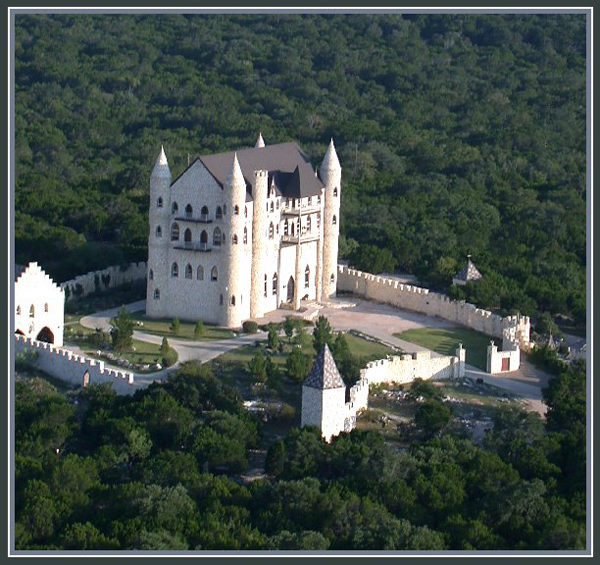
(45, 335)
(290, 290)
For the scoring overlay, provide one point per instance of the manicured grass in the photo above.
(445, 342)
(363, 348)
(162, 327)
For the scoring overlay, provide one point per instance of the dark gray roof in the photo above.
(19, 269)
(469, 272)
(294, 175)
(324, 373)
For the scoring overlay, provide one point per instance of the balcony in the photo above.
(294, 211)
(193, 246)
(201, 219)
(303, 238)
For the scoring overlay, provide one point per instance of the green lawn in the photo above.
(162, 327)
(141, 353)
(445, 342)
(363, 348)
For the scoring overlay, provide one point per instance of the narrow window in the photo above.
(335, 191)
(272, 206)
(219, 213)
(200, 273)
(31, 311)
(156, 294)
(203, 240)
(271, 231)
(234, 240)
(217, 236)
(265, 285)
(267, 207)
(46, 307)
(318, 221)
(159, 202)
(334, 221)
(188, 271)
(232, 300)
(174, 208)
(18, 310)
(245, 211)
(236, 210)
(245, 234)
(308, 224)
(331, 278)
(151, 275)
(204, 213)
(214, 274)
(187, 237)
(307, 277)
(278, 204)
(175, 232)
(285, 228)
(158, 231)
(189, 211)
(174, 270)
(274, 283)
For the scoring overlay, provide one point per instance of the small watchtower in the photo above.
(468, 273)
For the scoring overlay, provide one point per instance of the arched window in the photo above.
(274, 283)
(187, 236)
(272, 206)
(174, 208)
(46, 307)
(159, 202)
(245, 211)
(232, 300)
(18, 310)
(234, 240)
(236, 210)
(175, 232)
(271, 231)
(221, 300)
(150, 275)
(293, 227)
(156, 294)
(31, 311)
(219, 213)
(334, 221)
(188, 271)
(217, 236)
(188, 211)
(335, 191)
(277, 229)
(286, 228)
(308, 224)
(266, 285)
(158, 231)
(332, 278)
(214, 274)
(200, 273)
(204, 213)
(245, 234)
(174, 270)
(204, 237)
(307, 277)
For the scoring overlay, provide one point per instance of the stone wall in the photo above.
(409, 297)
(67, 366)
(97, 280)
(504, 361)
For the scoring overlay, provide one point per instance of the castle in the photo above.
(239, 234)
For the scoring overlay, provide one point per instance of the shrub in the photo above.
(199, 329)
(169, 358)
(250, 327)
(176, 326)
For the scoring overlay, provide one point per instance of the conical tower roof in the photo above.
(324, 373)
(260, 142)
(161, 167)
(235, 178)
(330, 161)
(469, 272)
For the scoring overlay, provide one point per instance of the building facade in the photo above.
(240, 234)
(39, 305)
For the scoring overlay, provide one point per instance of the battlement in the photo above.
(69, 366)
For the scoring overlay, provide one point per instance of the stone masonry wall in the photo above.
(118, 276)
(67, 366)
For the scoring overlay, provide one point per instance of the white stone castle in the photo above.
(240, 234)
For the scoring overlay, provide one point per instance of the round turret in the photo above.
(259, 195)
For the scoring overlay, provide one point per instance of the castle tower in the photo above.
(331, 175)
(324, 396)
(260, 142)
(233, 286)
(158, 238)
(259, 240)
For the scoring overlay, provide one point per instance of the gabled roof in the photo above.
(469, 272)
(324, 373)
(281, 158)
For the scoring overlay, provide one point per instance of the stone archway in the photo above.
(290, 290)
(46, 335)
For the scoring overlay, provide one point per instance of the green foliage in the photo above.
(175, 326)
(272, 339)
(199, 329)
(250, 327)
(169, 355)
(432, 417)
(322, 334)
(258, 367)
(297, 365)
(289, 326)
(122, 330)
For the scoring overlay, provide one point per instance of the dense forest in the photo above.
(162, 470)
(457, 134)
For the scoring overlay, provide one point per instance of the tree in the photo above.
(297, 365)
(122, 330)
(272, 338)
(322, 334)
(199, 329)
(275, 458)
(432, 416)
(175, 326)
(258, 367)
(273, 378)
(289, 325)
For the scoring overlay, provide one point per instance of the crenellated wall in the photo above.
(410, 297)
(70, 367)
(118, 276)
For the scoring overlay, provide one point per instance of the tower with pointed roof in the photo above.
(241, 233)
(331, 175)
(158, 237)
(324, 396)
